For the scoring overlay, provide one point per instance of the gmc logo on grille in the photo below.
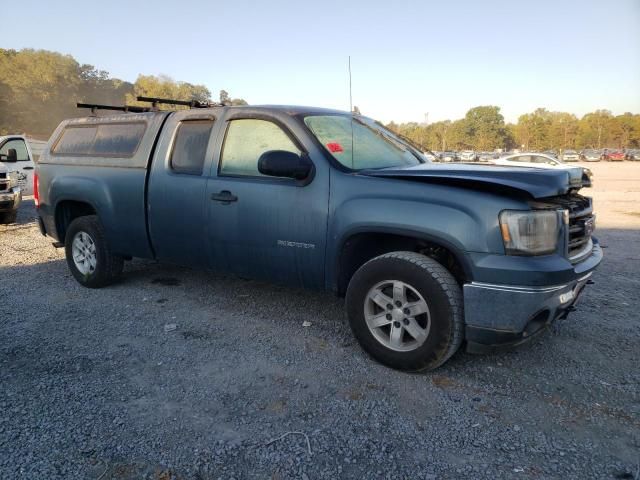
(589, 226)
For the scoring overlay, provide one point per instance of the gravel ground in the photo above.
(93, 386)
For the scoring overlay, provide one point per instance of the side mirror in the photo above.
(12, 155)
(281, 163)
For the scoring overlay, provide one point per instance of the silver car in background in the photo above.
(468, 156)
(448, 157)
(591, 155)
(570, 156)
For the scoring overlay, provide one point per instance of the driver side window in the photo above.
(246, 140)
(20, 148)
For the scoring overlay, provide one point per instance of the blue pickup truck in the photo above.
(428, 256)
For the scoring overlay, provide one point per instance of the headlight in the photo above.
(533, 232)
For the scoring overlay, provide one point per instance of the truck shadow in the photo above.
(26, 215)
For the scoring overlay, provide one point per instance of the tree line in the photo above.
(39, 89)
(483, 128)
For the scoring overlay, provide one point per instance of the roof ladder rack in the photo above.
(169, 101)
(125, 108)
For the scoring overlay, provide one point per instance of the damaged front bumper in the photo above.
(502, 316)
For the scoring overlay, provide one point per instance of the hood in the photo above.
(536, 182)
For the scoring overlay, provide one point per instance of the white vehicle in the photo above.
(10, 195)
(21, 165)
(542, 160)
(432, 157)
(591, 155)
(448, 157)
(570, 156)
(468, 156)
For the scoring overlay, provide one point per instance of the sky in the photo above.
(410, 60)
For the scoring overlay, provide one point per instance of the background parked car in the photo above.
(487, 156)
(542, 160)
(468, 156)
(633, 154)
(591, 155)
(615, 156)
(448, 157)
(431, 156)
(23, 166)
(570, 156)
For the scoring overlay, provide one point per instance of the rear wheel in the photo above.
(88, 254)
(405, 309)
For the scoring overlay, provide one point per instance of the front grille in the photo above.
(581, 224)
(4, 182)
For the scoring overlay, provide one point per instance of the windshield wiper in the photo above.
(414, 144)
(380, 133)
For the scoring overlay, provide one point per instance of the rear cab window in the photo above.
(190, 146)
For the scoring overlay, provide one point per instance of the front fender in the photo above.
(461, 220)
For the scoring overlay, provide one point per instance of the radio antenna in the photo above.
(350, 97)
(351, 112)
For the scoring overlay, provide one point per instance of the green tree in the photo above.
(593, 129)
(5, 108)
(96, 87)
(623, 130)
(39, 89)
(563, 130)
(483, 128)
(532, 130)
(441, 135)
(43, 89)
(163, 86)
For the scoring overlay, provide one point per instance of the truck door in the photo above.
(24, 166)
(177, 186)
(261, 226)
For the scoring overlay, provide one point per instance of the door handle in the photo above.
(224, 196)
(27, 168)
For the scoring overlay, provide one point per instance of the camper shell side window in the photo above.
(120, 140)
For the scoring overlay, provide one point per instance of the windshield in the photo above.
(361, 143)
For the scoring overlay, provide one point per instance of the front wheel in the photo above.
(88, 254)
(405, 310)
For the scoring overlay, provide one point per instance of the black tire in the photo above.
(438, 288)
(108, 266)
(9, 217)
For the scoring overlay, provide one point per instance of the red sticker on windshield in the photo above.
(335, 147)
